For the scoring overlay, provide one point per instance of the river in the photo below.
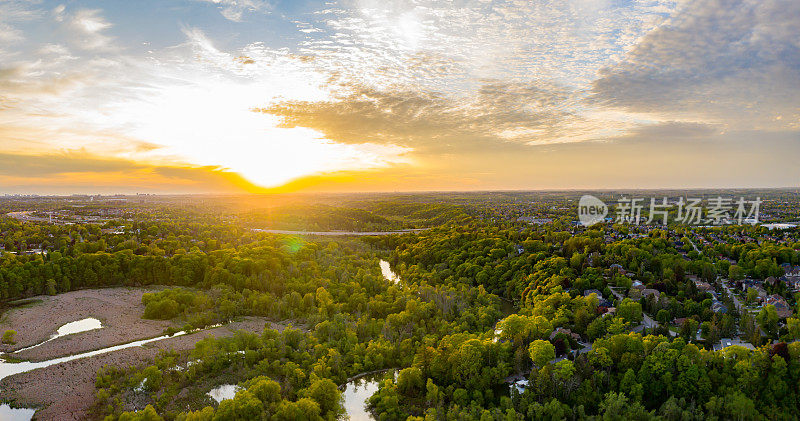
(78, 326)
(388, 273)
(355, 394)
(359, 389)
(7, 413)
(12, 368)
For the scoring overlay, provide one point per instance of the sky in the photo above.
(228, 96)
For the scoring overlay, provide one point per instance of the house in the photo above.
(704, 286)
(589, 292)
(605, 303)
(617, 267)
(745, 284)
(770, 281)
(679, 321)
(781, 306)
(647, 292)
(567, 332)
(637, 285)
(718, 307)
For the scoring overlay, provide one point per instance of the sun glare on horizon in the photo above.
(212, 122)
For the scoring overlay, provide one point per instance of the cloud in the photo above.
(527, 113)
(435, 76)
(670, 131)
(78, 171)
(13, 13)
(735, 62)
(234, 10)
(89, 27)
(452, 46)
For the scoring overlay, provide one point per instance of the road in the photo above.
(337, 233)
(736, 301)
(694, 246)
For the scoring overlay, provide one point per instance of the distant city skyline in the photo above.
(223, 96)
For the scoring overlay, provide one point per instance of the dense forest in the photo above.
(494, 318)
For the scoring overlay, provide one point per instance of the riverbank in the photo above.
(118, 309)
(65, 391)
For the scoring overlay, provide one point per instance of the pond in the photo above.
(7, 413)
(70, 328)
(78, 326)
(387, 272)
(356, 393)
(225, 391)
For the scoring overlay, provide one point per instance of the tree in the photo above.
(613, 406)
(266, 390)
(767, 319)
(410, 381)
(564, 370)
(541, 352)
(303, 409)
(793, 326)
(630, 310)
(243, 406)
(51, 287)
(752, 295)
(8, 337)
(327, 395)
(597, 328)
(689, 330)
(147, 414)
(735, 273)
(663, 317)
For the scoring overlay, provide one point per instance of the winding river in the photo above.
(70, 328)
(361, 387)
(356, 393)
(10, 368)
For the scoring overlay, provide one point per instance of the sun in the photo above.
(209, 121)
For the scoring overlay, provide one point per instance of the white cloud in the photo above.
(13, 13)
(89, 27)
(235, 9)
(736, 63)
